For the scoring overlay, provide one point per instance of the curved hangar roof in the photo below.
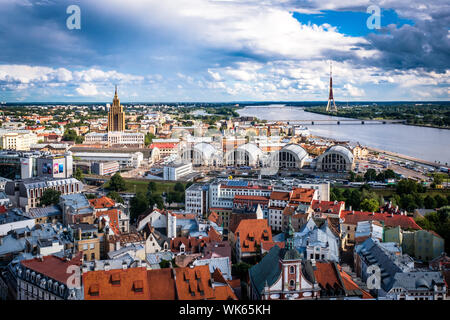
(346, 153)
(252, 149)
(206, 150)
(296, 150)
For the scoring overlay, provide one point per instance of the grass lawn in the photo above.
(141, 186)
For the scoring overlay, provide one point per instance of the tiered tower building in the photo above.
(116, 116)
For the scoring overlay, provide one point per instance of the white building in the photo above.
(175, 171)
(222, 192)
(116, 138)
(126, 160)
(196, 199)
(17, 139)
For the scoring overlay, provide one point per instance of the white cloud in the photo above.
(87, 90)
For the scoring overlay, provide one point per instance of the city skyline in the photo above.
(226, 51)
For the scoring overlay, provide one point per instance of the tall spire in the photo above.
(289, 240)
(331, 106)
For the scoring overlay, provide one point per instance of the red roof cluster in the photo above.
(252, 232)
(113, 215)
(52, 266)
(103, 202)
(389, 220)
(191, 244)
(128, 284)
(333, 207)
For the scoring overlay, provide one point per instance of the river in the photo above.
(429, 144)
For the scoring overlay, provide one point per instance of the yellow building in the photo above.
(116, 116)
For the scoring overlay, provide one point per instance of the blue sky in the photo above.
(223, 50)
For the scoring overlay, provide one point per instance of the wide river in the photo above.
(424, 143)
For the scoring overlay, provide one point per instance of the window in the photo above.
(291, 269)
(291, 283)
(92, 245)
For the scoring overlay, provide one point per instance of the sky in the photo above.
(224, 50)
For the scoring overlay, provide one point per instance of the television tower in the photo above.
(330, 97)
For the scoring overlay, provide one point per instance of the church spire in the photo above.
(289, 235)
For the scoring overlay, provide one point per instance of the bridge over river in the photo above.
(337, 122)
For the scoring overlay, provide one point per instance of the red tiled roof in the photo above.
(251, 232)
(280, 195)
(302, 195)
(52, 266)
(214, 217)
(103, 202)
(236, 218)
(213, 235)
(113, 215)
(188, 216)
(128, 284)
(327, 206)
(194, 283)
(389, 220)
(267, 245)
(161, 284)
(192, 244)
(326, 275)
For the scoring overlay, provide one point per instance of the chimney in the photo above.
(124, 265)
(350, 208)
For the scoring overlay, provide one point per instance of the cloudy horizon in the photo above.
(224, 50)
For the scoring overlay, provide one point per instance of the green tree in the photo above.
(149, 138)
(440, 201)
(156, 199)
(78, 174)
(370, 205)
(406, 186)
(117, 183)
(352, 176)
(151, 187)
(390, 174)
(138, 205)
(408, 202)
(437, 178)
(429, 202)
(50, 197)
(370, 175)
(179, 187)
(115, 196)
